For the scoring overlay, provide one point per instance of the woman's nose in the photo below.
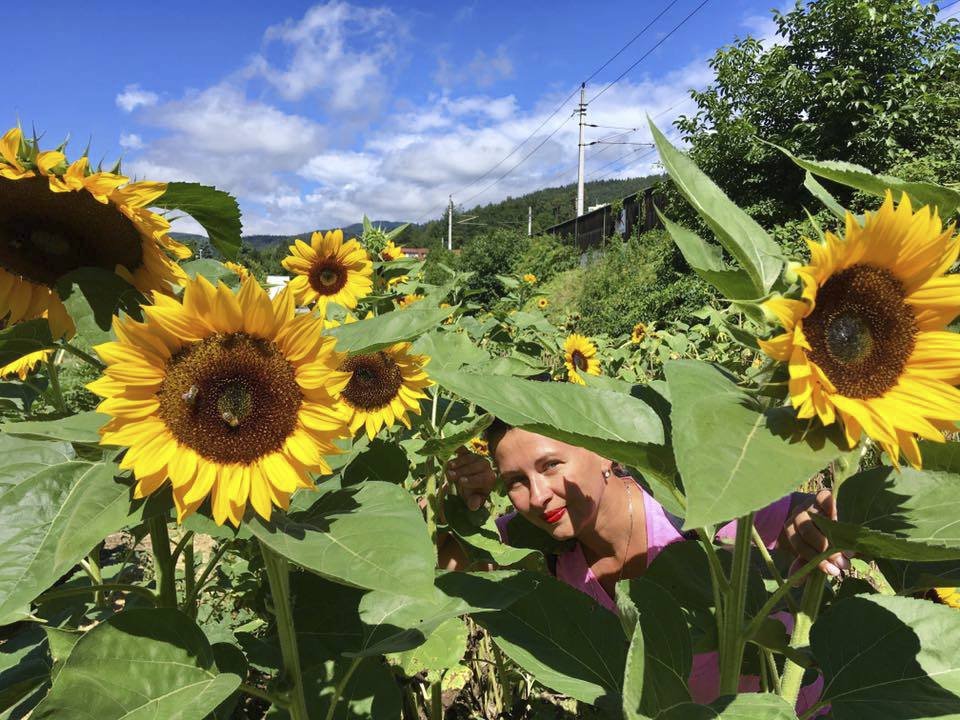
(540, 491)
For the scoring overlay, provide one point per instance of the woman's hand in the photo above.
(473, 475)
(805, 539)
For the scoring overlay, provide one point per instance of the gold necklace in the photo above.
(626, 551)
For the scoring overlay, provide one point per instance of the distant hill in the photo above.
(549, 205)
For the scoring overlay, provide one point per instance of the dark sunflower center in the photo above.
(375, 381)
(579, 360)
(862, 331)
(232, 398)
(328, 276)
(44, 235)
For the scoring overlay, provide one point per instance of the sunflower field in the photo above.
(221, 503)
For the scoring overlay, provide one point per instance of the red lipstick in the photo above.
(554, 516)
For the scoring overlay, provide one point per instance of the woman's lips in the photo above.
(554, 516)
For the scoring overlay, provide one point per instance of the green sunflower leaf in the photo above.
(733, 457)
(748, 706)
(889, 658)
(136, 665)
(50, 520)
(945, 199)
(93, 296)
(367, 336)
(216, 211)
(80, 428)
(741, 236)
(904, 514)
(821, 194)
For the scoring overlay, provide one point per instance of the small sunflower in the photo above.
(479, 446)
(397, 280)
(57, 216)
(948, 596)
(237, 269)
(867, 343)
(329, 270)
(638, 333)
(580, 356)
(408, 300)
(542, 303)
(383, 386)
(227, 395)
(391, 251)
(530, 278)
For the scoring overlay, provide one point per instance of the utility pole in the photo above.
(582, 110)
(529, 220)
(450, 224)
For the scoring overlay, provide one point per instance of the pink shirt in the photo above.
(573, 569)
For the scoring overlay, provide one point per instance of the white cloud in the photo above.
(483, 70)
(336, 47)
(131, 141)
(133, 97)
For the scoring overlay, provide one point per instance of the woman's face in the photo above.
(555, 486)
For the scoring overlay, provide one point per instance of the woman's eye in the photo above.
(551, 464)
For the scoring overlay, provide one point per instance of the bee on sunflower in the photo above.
(57, 216)
(383, 387)
(580, 356)
(867, 343)
(329, 270)
(229, 395)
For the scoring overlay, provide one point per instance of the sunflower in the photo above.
(396, 280)
(408, 300)
(479, 446)
(57, 216)
(329, 270)
(867, 343)
(542, 303)
(21, 367)
(227, 395)
(237, 269)
(530, 278)
(391, 251)
(948, 596)
(580, 356)
(383, 386)
(638, 333)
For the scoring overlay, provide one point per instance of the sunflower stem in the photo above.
(772, 567)
(256, 692)
(278, 574)
(809, 607)
(86, 357)
(430, 510)
(202, 580)
(189, 578)
(55, 390)
(163, 564)
(341, 686)
(91, 565)
(103, 587)
(731, 635)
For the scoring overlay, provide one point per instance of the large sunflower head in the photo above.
(227, 395)
(329, 270)
(866, 343)
(580, 356)
(57, 216)
(638, 333)
(383, 387)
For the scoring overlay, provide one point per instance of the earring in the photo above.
(606, 474)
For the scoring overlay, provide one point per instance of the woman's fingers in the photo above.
(807, 540)
(473, 475)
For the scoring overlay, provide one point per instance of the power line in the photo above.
(556, 110)
(941, 8)
(643, 57)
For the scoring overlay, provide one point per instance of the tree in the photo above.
(875, 82)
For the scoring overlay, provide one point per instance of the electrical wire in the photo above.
(647, 54)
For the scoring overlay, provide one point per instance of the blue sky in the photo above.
(313, 114)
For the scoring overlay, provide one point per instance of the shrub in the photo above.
(488, 255)
(639, 280)
(545, 256)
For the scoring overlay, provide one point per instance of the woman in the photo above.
(619, 528)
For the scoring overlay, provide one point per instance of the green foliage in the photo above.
(489, 255)
(545, 256)
(639, 280)
(871, 82)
